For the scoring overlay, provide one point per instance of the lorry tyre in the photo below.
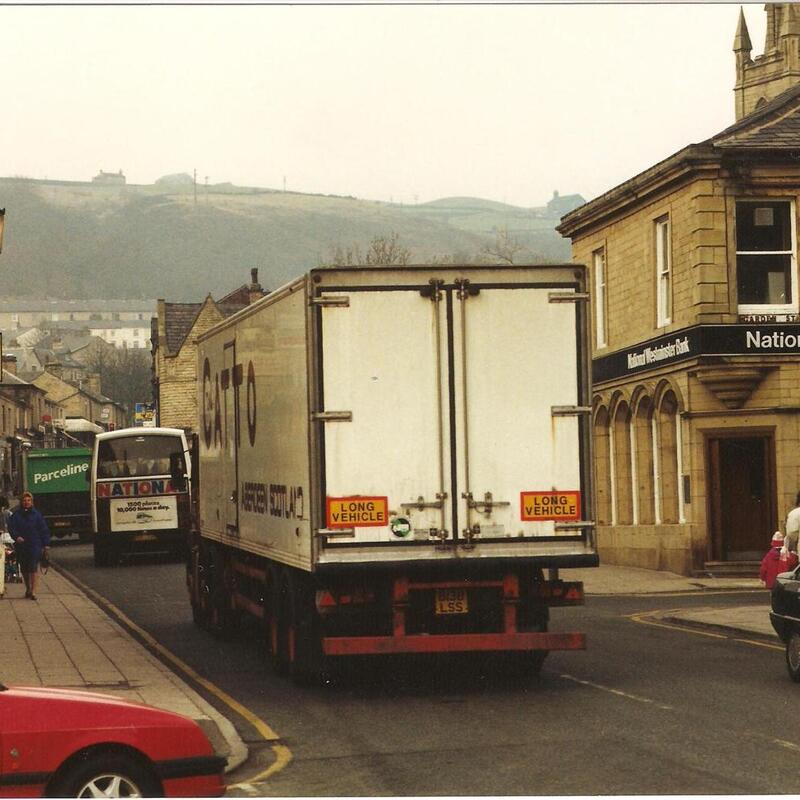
(214, 612)
(793, 656)
(308, 664)
(197, 588)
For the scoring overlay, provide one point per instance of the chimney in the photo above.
(54, 368)
(92, 382)
(10, 364)
(254, 291)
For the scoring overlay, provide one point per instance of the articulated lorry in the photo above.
(58, 479)
(396, 460)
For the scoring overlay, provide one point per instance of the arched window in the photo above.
(602, 466)
(622, 465)
(643, 442)
(668, 457)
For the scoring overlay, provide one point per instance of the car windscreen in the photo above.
(136, 456)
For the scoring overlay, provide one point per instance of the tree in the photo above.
(125, 374)
(381, 251)
(504, 248)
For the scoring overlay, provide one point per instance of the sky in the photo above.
(406, 103)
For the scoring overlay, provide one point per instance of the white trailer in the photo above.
(391, 458)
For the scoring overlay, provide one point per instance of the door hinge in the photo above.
(567, 297)
(570, 411)
(331, 300)
(332, 416)
(574, 526)
(341, 533)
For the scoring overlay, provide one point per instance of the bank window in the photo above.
(599, 259)
(766, 270)
(663, 273)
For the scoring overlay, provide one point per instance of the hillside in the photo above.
(69, 239)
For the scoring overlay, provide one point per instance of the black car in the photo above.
(785, 617)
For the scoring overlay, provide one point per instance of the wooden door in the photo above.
(743, 503)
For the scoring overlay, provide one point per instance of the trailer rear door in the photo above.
(452, 422)
(384, 362)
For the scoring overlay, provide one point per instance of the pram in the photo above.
(13, 573)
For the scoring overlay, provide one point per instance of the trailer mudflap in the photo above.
(510, 638)
(451, 643)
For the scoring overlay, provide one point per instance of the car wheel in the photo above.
(793, 656)
(108, 775)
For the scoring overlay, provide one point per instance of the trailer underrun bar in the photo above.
(401, 642)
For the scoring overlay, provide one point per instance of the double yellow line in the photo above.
(647, 618)
(283, 755)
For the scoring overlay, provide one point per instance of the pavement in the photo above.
(65, 639)
(749, 618)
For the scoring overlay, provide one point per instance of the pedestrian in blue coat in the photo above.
(31, 538)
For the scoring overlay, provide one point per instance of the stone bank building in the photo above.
(695, 298)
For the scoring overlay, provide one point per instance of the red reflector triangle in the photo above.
(325, 599)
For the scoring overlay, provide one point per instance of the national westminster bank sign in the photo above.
(699, 340)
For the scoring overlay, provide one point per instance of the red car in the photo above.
(63, 743)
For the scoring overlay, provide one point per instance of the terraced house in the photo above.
(696, 330)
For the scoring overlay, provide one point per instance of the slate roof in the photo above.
(774, 126)
(178, 321)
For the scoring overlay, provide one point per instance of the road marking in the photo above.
(761, 644)
(617, 692)
(685, 593)
(283, 755)
(644, 619)
(787, 745)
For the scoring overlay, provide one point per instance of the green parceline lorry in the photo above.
(58, 480)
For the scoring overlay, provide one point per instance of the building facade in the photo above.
(176, 329)
(696, 333)
(84, 400)
(22, 313)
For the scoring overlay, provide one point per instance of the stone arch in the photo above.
(663, 387)
(602, 464)
(668, 419)
(621, 439)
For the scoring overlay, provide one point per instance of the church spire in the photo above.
(763, 77)
(741, 43)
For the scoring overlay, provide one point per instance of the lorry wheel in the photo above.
(793, 656)
(211, 610)
(309, 664)
(193, 583)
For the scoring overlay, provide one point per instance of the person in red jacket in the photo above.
(776, 561)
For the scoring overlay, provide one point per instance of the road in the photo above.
(645, 710)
